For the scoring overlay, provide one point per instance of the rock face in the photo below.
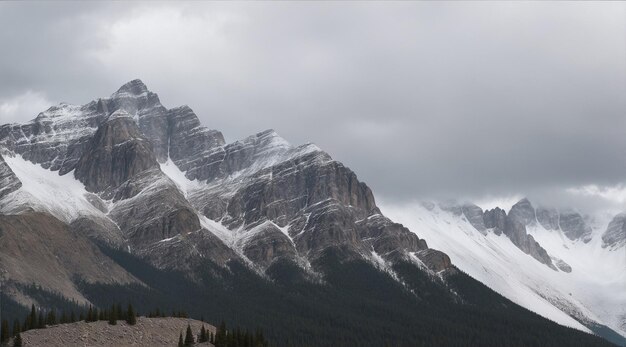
(8, 181)
(574, 226)
(516, 231)
(548, 218)
(188, 140)
(474, 215)
(615, 234)
(523, 212)
(435, 260)
(495, 219)
(116, 153)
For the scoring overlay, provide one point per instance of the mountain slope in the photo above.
(587, 289)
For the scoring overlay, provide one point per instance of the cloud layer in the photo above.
(422, 100)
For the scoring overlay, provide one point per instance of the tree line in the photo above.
(40, 318)
(223, 337)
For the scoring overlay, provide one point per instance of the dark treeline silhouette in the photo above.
(224, 337)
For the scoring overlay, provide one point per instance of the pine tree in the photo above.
(180, 340)
(203, 335)
(17, 341)
(113, 315)
(89, 314)
(189, 340)
(73, 317)
(41, 322)
(17, 328)
(131, 318)
(51, 319)
(120, 312)
(4, 331)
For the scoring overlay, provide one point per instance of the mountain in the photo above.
(559, 263)
(123, 199)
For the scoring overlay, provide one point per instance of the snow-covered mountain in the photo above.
(126, 174)
(134, 175)
(585, 283)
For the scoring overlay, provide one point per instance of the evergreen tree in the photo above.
(51, 319)
(32, 319)
(203, 337)
(180, 340)
(120, 312)
(17, 341)
(189, 340)
(131, 318)
(73, 317)
(113, 315)
(4, 331)
(17, 328)
(41, 322)
(89, 314)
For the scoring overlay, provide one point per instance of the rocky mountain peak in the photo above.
(135, 87)
(523, 212)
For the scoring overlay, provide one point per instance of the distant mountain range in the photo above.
(123, 198)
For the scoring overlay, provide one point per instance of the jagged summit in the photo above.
(134, 87)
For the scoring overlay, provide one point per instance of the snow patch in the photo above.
(46, 191)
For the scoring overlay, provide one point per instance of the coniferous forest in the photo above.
(355, 305)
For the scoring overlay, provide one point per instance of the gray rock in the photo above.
(615, 234)
(548, 218)
(116, 153)
(8, 181)
(452, 207)
(516, 231)
(188, 140)
(574, 227)
(562, 265)
(523, 212)
(267, 244)
(474, 215)
(435, 260)
(495, 219)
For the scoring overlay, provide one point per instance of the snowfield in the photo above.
(594, 291)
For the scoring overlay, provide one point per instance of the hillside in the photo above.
(147, 332)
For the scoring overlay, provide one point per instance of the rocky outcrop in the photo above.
(474, 215)
(495, 219)
(266, 243)
(435, 260)
(188, 140)
(523, 212)
(116, 153)
(562, 265)
(157, 211)
(615, 234)
(8, 181)
(548, 218)
(574, 227)
(516, 231)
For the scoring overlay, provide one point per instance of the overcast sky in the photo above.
(421, 99)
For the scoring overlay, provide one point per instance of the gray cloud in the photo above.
(420, 99)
